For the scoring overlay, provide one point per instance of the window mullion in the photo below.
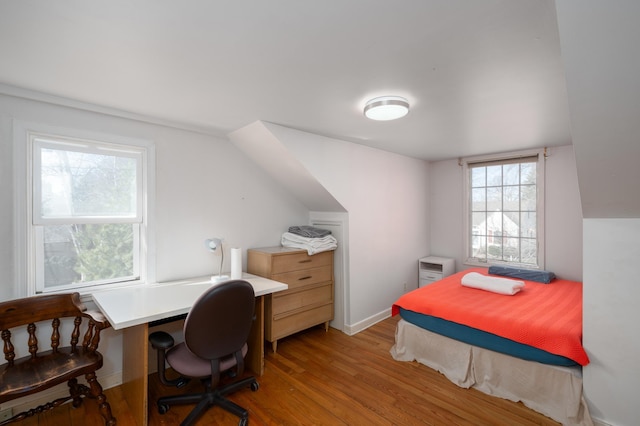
(512, 185)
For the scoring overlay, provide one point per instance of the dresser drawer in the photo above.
(283, 303)
(289, 324)
(302, 278)
(300, 261)
(430, 275)
(309, 299)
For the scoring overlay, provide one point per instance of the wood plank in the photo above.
(135, 366)
(329, 378)
(254, 360)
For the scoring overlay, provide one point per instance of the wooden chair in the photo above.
(43, 369)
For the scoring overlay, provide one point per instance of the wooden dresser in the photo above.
(309, 299)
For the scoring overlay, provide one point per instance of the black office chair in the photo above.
(216, 331)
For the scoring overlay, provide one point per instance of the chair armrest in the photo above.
(97, 317)
(161, 340)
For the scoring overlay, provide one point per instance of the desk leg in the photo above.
(135, 370)
(255, 356)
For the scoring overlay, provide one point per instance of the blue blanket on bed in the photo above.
(524, 274)
(483, 339)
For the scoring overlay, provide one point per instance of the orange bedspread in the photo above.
(545, 316)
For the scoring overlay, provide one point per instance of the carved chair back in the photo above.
(61, 361)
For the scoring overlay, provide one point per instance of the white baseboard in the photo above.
(598, 422)
(352, 329)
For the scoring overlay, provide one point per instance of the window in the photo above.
(87, 211)
(504, 211)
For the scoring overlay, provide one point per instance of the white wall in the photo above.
(6, 207)
(563, 216)
(446, 210)
(205, 187)
(599, 43)
(611, 336)
(386, 198)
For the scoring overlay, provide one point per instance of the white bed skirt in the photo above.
(553, 391)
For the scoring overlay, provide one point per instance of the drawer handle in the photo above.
(304, 261)
(304, 278)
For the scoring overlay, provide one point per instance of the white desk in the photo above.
(131, 310)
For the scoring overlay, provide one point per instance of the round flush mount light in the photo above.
(386, 108)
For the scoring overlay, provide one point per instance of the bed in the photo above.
(523, 347)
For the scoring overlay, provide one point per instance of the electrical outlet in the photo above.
(6, 414)
(405, 287)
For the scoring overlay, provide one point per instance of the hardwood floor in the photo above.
(329, 378)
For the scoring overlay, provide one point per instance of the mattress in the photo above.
(542, 322)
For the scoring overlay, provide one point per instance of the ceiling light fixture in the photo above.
(386, 108)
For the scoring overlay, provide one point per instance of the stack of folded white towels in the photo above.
(310, 238)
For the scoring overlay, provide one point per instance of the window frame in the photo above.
(540, 209)
(26, 234)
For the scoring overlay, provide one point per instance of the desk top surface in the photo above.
(127, 307)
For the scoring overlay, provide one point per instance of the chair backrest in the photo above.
(30, 311)
(220, 320)
(39, 308)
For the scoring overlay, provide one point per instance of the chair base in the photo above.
(210, 398)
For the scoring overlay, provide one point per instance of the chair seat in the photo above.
(49, 369)
(187, 364)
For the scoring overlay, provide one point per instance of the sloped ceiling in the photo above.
(602, 64)
(259, 143)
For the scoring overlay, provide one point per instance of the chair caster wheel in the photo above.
(243, 422)
(163, 408)
(255, 386)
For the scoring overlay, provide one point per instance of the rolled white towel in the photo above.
(492, 284)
